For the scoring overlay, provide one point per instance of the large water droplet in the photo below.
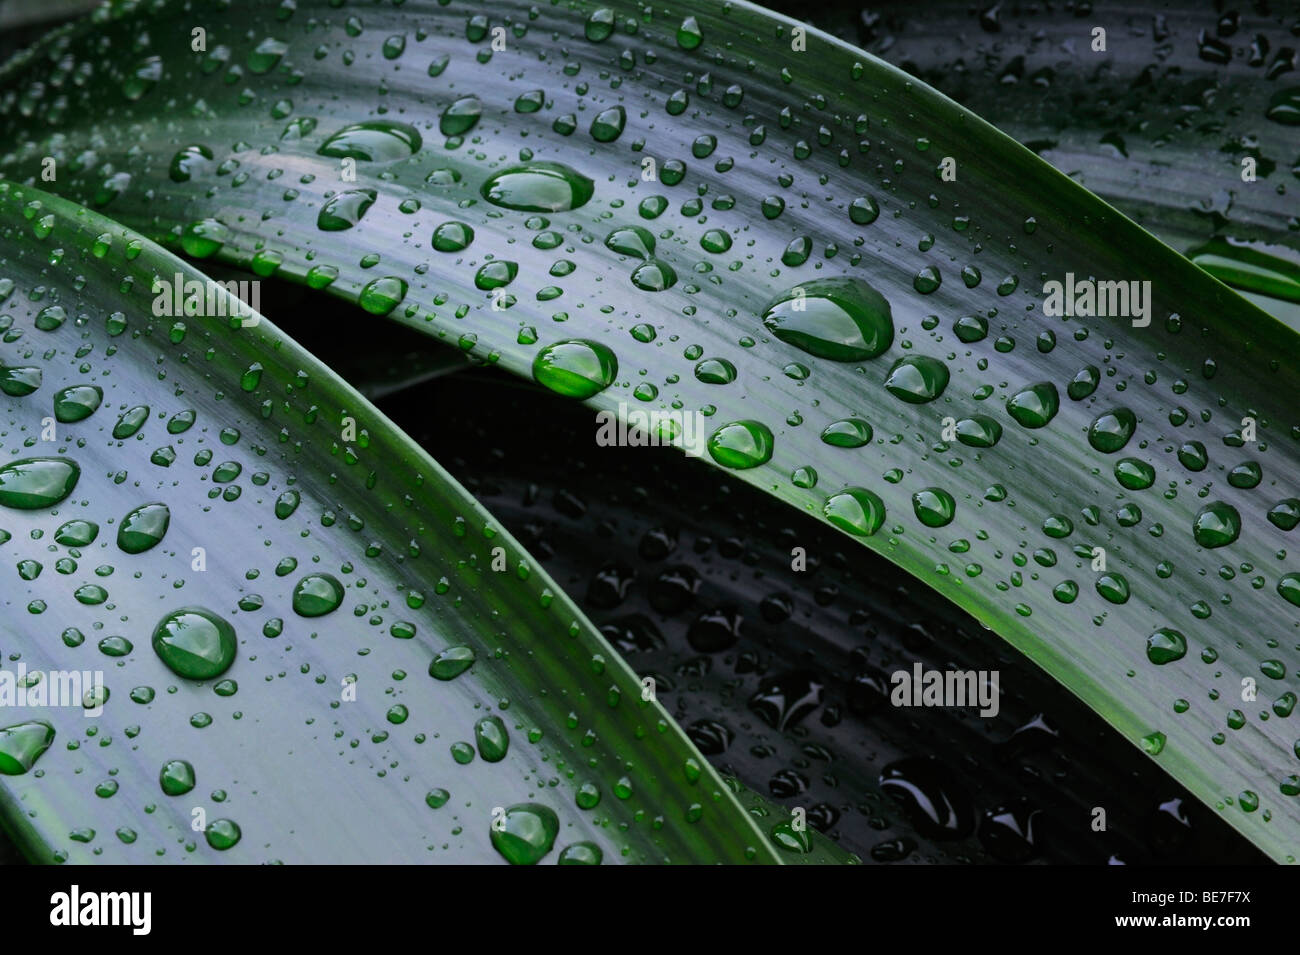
(461, 116)
(492, 739)
(608, 124)
(316, 595)
(1111, 431)
(917, 379)
(378, 140)
(34, 483)
(1216, 525)
(176, 777)
(1166, 646)
(1035, 406)
(22, 744)
(934, 506)
(526, 833)
(576, 368)
(382, 295)
(841, 319)
(856, 510)
(345, 209)
(930, 797)
(195, 643)
(451, 662)
(143, 528)
(538, 187)
(632, 240)
(741, 444)
(76, 402)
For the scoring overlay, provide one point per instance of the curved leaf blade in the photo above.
(331, 710)
(846, 160)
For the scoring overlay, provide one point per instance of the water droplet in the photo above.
(934, 506)
(35, 483)
(538, 187)
(580, 853)
(143, 528)
(930, 797)
(577, 368)
(131, 421)
(18, 382)
(841, 319)
(1165, 646)
(1216, 525)
(76, 402)
(1109, 432)
(1034, 406)
(632, 240)
(460, 117)
(316, 595)
(1284, 107)
(856, 510)
(492, 739)
(176, 777)
(979, 431)
(452, 237)
(195, 643)
(715, 371)
(451, 663)
(741, 444)
(654, 276)
(345, 209)
(527, 834)
(864, 210)
(374, 141)
(1114, 587)
(927, 280)
(22, 744)
(1135, 474)
(689, 35)
(222, 834)
(382, 295)
(1289, 588)
(608, 124)
(917, 379)
(847, 433)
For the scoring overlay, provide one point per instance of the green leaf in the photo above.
(1159, 122)
(282, 593)
(777, 170)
